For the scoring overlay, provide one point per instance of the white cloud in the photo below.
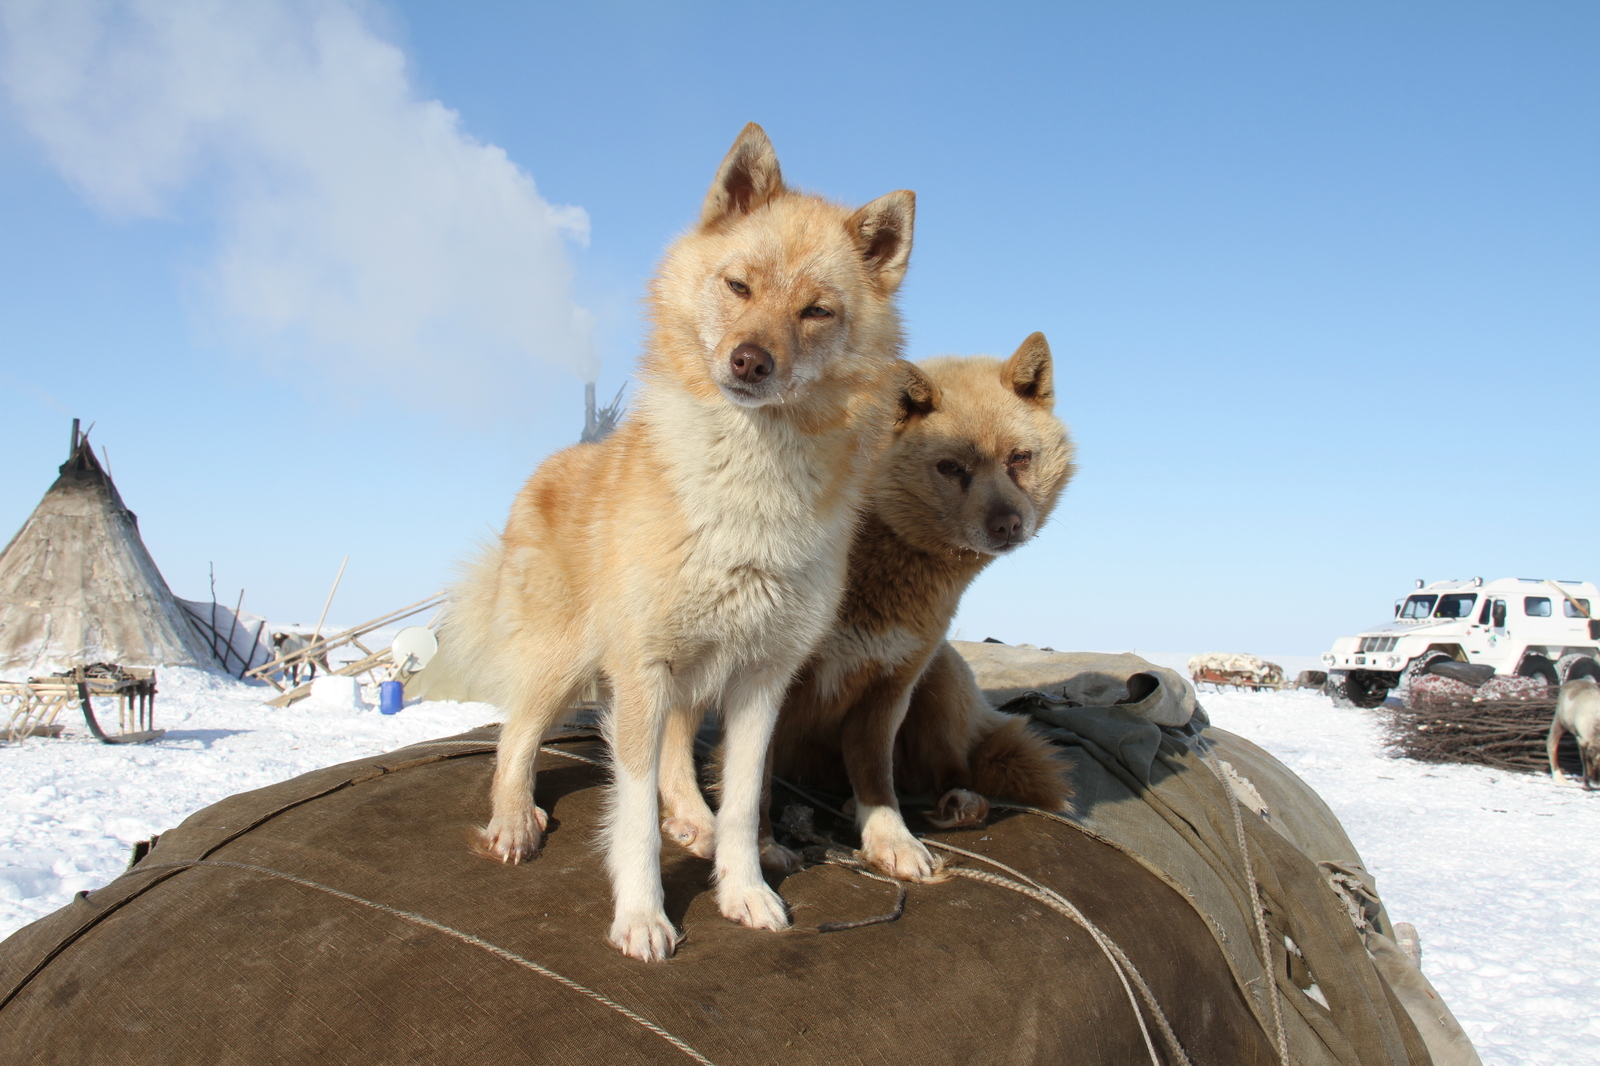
(360, 231)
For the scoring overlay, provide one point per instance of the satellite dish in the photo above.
(413, 648)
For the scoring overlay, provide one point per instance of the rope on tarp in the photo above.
(1126, 971)
(457, 934)
(1258, 911)
(548, 750)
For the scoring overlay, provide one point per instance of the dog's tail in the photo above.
(1013, 762)
(462, 669)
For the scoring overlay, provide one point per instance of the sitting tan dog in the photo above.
(976, 466)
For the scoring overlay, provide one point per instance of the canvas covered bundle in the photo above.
(341, 916)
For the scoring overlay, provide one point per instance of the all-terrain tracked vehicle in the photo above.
(1519, 626)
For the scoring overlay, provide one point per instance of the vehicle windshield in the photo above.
(1458, 605)
(1418, 606)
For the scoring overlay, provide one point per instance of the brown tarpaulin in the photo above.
(340, 917)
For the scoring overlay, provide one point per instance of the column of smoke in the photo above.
(361, 236)
(598, 422)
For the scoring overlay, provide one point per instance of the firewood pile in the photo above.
(1503, 724)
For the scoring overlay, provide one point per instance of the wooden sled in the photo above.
(37, 702)
(1238, 680)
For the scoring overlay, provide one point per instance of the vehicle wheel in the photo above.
(1571, 667)
(1420, 666)
(1540, 667)
(1367, 688)
(1333, 688)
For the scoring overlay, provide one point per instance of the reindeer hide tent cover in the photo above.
(78, 586)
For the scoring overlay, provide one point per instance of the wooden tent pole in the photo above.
(214, 615)
(253, 642)
(318, 631)
(229, 642)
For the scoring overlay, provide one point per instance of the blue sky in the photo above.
(1321, 280)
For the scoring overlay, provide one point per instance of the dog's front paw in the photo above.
(647, 937)
(888, 847)
(696, 839)
(959, 808)
(777, 859)
(511, 838)
(756, 906)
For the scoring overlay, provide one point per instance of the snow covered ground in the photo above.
(1499, 872)
(71, 809)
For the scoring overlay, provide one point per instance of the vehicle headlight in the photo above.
(1394, 660)
(1328, 658)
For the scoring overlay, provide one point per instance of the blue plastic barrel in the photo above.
(391, 697)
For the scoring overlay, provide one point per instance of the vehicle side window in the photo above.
(1581, 609)
(1483, 615)
(1499, 614)
(1418, 606)
(1456, 606)
(1536, 606)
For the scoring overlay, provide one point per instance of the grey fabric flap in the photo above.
(1089, 679)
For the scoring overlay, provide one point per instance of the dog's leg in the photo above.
(938, 739)
(775, 858)
(516, 830)
(1552, 744)
(750, 707)
(687, 820)
(639, 925)
(869, 735)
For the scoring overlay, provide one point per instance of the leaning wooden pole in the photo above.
(228, 644)
(324, 617)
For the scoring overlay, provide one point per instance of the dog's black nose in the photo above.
(751, 363)
(1005, 525)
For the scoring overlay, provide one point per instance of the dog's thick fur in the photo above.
(1578, 713)
(699, 553)
(974, 470)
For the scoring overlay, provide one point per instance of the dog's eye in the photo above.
(816, 312)
(1019, 458)
(739, 287)
(950, 468)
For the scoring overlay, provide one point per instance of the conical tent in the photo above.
(77, 585)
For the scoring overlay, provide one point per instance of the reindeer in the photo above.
(1578, 713)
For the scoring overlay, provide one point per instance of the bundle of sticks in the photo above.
(1508, 734)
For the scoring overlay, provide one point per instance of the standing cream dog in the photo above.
(698, 554)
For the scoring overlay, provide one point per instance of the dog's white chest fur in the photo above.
(767, 527)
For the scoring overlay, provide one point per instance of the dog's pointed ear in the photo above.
(882, 232)
(919, 396)
(1030, 373)
(748, 178)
